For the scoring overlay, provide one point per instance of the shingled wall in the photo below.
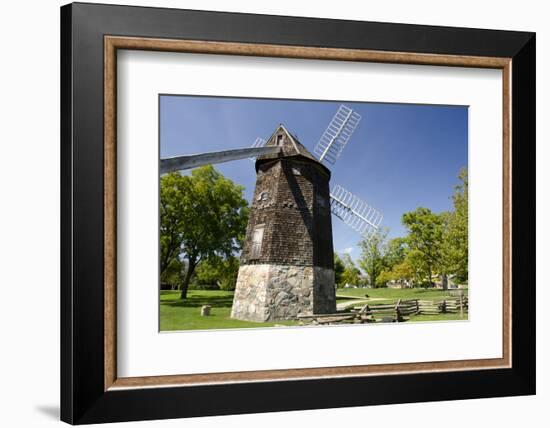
(295, 212)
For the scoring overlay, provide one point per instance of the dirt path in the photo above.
(356, 302)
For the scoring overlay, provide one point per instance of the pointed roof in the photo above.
(290, 145)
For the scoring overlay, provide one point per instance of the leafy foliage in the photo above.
(339, 269)
(373, 251)
(456, 234)
(400, 272)
(174, 273)
(426, 231)
(202, 215)
(216, 273)
(351, 274)
(436, 244)
(396, 251)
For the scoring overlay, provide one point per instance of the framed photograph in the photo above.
(281, 213)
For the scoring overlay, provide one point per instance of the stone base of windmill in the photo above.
(280, 292)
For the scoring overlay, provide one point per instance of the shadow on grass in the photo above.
(197, 301)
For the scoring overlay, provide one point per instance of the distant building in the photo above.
(399, 284)
(451, 282)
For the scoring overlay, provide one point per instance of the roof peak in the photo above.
(290, 146)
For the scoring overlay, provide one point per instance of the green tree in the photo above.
(403, 271)
(207, 274)
(426, 232)
(417, 261)
(351, 274)
(339, 269)
(456, 233)
(373, 250)
(201, 215)
(396, 251)
(229, 273)
(173, 274)
(384, 277)
(217, 273)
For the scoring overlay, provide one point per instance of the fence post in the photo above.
(461, 305)
(367, 310)
(417, 307)
(397, 312)
(364, 310)
(444, 306)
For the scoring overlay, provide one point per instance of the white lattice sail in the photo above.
(260, 142)
(354, 212)
(337, 134)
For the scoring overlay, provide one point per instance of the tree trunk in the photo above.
(444, 281)
(187, 279)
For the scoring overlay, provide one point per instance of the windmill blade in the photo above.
(354, 212)
(337, 134)
(179, 163)
(260, 142)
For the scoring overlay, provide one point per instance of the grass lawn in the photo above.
(177, 314)
(391, 295)
(439, 317)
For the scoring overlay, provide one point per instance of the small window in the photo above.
(263, 196)
(257, 238)
(296, 171)
(279, 140)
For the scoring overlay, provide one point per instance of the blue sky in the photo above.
(400, 157)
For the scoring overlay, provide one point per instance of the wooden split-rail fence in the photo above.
(394, 312)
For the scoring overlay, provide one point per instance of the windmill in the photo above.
(287, 260)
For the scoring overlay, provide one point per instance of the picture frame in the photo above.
(91, 391)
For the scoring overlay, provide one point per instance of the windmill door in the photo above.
(257, 239)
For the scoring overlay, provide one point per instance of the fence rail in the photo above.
(394, 312)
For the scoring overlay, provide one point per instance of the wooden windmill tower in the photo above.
(287, 265)
(287, 260)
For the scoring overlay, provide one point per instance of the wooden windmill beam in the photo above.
(179, 163)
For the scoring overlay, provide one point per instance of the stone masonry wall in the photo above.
(281, 292)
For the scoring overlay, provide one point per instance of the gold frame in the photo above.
(113, 43)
